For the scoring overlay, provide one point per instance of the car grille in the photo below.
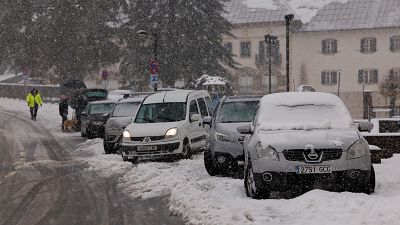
(152, 138)
(299, 154)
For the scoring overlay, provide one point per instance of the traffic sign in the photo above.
(153, 67)
(153, 78)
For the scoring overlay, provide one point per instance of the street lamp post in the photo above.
(288, 19)
(155, 52)
(270, 40)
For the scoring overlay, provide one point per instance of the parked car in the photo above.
(305, 140)
(119, 118)
(385, 134)
(224, 151)
(92, 119)
(168, 123)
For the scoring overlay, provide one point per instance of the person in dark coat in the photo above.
(63, 109)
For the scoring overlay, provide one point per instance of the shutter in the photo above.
(323, 80)
(374, 78)
(360, 76)
(362, 49)
(324, 49)
(261, 52)
(392, 44)
(373, 44)
(277, 55)
(334, 46)
(334, 77)
(391, 75)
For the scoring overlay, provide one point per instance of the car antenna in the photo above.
(163, 100)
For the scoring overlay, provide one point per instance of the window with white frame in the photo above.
(368, 76)
(329, 77)
(368, 45)
(245, 49)
(329, 46)
(395, 44)
(246, 83)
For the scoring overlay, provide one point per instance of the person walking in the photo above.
(34, 101)
(63, 109)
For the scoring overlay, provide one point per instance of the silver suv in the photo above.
(305, 140)
(119, 118)
(224, 151)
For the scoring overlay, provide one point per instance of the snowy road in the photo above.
(44, 180)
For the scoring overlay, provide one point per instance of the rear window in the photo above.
(238, 112)
(101, 108)
(126, 109)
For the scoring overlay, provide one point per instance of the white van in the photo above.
(168, 123)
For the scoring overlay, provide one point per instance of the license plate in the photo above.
(313, 169)
(147, 148)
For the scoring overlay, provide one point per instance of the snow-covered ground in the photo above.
(304, 10)
(6, 76)
(202, 199)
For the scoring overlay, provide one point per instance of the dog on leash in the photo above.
(70, 125)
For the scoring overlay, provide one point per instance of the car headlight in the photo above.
(126, 136)
(357, 150)
(268, 153)
(223, 137)
(171, 132)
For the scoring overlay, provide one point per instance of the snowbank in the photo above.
(304, 10)
(202, 199)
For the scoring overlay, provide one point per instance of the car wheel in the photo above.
(250, 184)
(209, 163)
(108, 149)
(370, 188)
(133, 160)
(186, 150)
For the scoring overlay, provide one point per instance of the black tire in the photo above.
(186, 150)
(133, 160)
(108, 148)
(209, 163)
(370, 187)
(250, 184)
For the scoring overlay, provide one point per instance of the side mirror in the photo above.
(365, 126)
(84, 114)
(245, 129)
(207, 120)
(106, 116)
(195, 118)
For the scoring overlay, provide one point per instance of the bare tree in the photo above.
(390, 88)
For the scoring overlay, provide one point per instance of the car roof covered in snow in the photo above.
(102, 102)
(242, 98)
(172, 96)
(301, 98)
(128, 100)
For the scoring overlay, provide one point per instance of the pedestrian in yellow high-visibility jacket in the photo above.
(34, 101)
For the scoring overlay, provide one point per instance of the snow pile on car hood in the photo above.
(302, 111)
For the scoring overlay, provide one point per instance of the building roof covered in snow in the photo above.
(356, 14)
(318, 15)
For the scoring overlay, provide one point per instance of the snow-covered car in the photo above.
(224, 151)
(305, 140)
(119, 118)
(168, 123)
(93, 120)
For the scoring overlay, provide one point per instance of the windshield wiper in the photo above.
(166, 118)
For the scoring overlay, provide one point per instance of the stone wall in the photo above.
(48, 93)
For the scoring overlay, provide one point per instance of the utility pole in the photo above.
(288, 19)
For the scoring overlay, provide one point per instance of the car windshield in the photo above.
(125, 109)
(161, 112)
(304, 117)
(101, 108)
(237, 112)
